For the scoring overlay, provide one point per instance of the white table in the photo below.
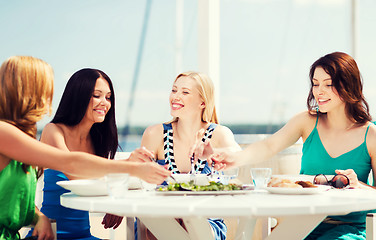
(158, 212)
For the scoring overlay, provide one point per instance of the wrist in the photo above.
(35, 218)
(130, 168)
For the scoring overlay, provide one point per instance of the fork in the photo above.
(210, 175)
(154, 160)
(192, 178)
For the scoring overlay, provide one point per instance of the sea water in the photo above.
(131, 142)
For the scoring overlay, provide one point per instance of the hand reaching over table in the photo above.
(224, 159)
(141, 154)
(221, 143)
(150, 172)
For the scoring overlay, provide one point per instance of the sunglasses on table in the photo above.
(338, 181)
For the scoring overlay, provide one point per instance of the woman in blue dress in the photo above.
(194, 115)
(338, 137)
(84, 121)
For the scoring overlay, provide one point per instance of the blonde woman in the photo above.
(193, 110)
(25, 96)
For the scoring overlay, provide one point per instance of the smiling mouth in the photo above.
(100, 111)
(176, 106)
(323, 101)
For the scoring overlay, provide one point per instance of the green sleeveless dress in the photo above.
(316, 160)
(17, 196)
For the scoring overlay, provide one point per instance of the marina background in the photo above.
(266, 49)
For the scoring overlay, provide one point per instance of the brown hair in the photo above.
(26, 92)
(346, 79)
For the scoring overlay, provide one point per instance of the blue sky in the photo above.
(267, 47)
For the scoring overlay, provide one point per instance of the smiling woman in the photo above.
(192, 107)
(84, 121)
(338, 135)
(100, 103)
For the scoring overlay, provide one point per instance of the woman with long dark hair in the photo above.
(84, 121)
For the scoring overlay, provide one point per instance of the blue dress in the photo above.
(70, 223)
(316, 160)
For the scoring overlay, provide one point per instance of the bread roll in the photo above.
(281, 182)
(289, 185)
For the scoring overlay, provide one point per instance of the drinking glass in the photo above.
(261, 177)
(117, 184)
(227, 175)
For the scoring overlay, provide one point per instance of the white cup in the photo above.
(261, 177)
(117, 184)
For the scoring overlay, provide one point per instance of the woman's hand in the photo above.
(200, 149)
(351, 175)
(141, 155)
(43, 227)
(223, 160)
(152, 172)
(111, 221)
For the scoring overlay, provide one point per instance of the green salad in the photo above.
(213, 186)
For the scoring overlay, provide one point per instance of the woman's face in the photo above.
(185, 98)
(100, 102)
(324, 92)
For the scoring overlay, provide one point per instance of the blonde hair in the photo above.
(26, 92)
(205, 88)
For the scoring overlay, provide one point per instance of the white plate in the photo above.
(180, 193)
(298, 191)
(85, 187)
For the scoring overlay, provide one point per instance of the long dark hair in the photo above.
(347, 80)
(74, 103)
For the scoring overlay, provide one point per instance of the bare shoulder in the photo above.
(222, 131)
(7, 130)
(371, 141)
(152, 139)
(153, 131)
(304, 121)
(53, 127)
(304, 118)
(54, 135)
(6, 126)
(371, 135)
(3, 125)
(223, 137)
